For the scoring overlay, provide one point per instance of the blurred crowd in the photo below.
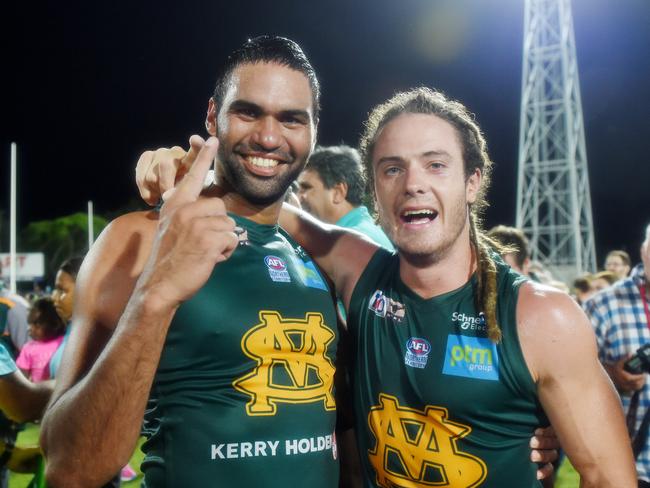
(35, 329)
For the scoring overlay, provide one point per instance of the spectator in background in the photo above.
(582, 289)
(621, 318)
(20, 401)
(540, 273)
(513, 238)
(13, 320)
(63, 298)
(602, 280)
(618, 262)
(331, 188)
(46, 329)
(518, 256)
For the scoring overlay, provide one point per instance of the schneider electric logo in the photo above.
(469, 322)
(471, 357)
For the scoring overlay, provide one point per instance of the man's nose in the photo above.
(414, 180)
(268, 134)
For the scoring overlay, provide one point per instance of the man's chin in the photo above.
(262, 200)
(420, 251)
(263, 194)
(258, 191)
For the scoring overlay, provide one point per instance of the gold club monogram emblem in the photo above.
(416, 449)
(292, 365)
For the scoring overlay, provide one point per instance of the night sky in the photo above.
(92, 84)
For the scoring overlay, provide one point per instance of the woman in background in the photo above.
(63, 298)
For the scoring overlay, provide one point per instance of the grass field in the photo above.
(566, 477)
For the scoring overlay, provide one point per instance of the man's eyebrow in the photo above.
(245, 105)
(426, 154)
(440, 152)
(390, 159)
(298, 113)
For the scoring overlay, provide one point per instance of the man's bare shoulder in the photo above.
(134, 223)
(113, 265)
(128, 233)
(545, 304)
(550, 324)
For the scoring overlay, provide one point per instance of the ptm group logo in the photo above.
(471, 357)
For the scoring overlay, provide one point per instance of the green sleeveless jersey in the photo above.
(436, 402)
(244, 392)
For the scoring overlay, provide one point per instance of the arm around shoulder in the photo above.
(341, 253)
(560, 349)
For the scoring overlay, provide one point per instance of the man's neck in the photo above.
(438, 275)
(340, 211)
(235, 203)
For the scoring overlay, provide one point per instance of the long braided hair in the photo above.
(474, 149)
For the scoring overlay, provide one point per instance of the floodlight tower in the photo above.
(553, 202)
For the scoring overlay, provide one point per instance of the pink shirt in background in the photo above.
(35, 358)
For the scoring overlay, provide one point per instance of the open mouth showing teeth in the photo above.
(419, 216)
(262, 162)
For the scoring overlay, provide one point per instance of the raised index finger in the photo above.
(196, 143)
(191, 185)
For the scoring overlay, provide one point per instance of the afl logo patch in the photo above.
(275, 263)
(417, 352)
(277, 269)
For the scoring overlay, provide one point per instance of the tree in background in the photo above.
(59, 239)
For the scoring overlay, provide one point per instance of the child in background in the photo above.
(46, 330)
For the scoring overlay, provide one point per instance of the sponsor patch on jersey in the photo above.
(417, 352)
(242, 236)
(471, 357)
(308, 274)
(277, 269)
(469, 322)
(386, 307)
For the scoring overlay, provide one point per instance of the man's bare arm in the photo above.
(91, 426)
(341, 253)
(120, 324)
(576, 393)
(20, 399)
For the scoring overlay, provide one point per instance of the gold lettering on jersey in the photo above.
(292, 364)
(415, 449)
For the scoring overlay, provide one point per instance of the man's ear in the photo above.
(339, 192)
(211, 118)
(473, 186)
